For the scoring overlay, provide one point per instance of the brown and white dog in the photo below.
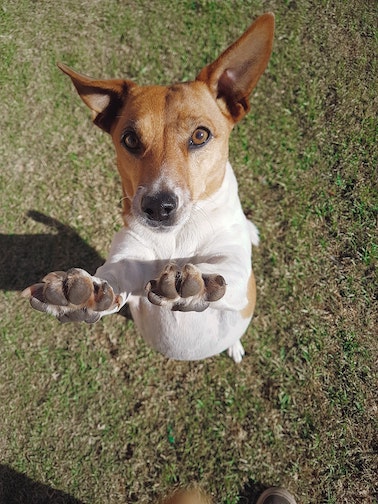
(183, 258)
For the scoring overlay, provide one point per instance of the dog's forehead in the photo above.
(181, 106)
(193, 103)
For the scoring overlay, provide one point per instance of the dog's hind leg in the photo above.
(236, 352)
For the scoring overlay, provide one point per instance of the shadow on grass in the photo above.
(26, 259)
(16, 488)
(251, 492)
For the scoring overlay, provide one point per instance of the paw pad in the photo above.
(185, 289)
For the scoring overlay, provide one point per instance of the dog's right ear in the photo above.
(103, 97)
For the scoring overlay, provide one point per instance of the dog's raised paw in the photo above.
(72, 296)
(185, 289)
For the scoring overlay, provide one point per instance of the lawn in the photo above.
(90, 414)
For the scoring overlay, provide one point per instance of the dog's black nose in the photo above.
(159, 207)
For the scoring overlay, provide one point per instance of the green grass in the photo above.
(91, 411)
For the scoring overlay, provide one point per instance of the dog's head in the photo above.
(172, 141)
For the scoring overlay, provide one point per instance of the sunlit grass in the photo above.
(91, 410)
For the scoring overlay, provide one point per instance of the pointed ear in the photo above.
(236, 72)
(104, 97)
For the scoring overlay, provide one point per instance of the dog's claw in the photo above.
(37, 298)
(186, 289)
(72, 296)
(152, 296)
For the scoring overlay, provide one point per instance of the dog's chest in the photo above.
(184, 245)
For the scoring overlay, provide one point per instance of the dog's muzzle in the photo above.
(159, 209)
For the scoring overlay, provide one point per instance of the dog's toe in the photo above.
(166, 285)
(78, 287)
(103, 297)
(53, 288)
(215, 287)
(163, 289)
(192, 282)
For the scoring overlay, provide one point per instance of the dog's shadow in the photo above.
(26, 259)
(16, 488)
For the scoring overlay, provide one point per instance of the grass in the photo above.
(89, 414)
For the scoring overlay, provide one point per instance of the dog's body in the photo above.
(216, 238)
(183, 259)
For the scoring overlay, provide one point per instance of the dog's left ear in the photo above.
(104, 97)
(236, 72)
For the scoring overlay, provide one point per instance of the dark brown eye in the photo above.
(131, 141)
(200, 136)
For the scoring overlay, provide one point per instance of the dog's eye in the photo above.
(200, 137)
(131, 141)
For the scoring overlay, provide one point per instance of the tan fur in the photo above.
(192, 495)
(178, 105)
(248, 310)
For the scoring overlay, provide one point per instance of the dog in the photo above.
(182, 261)
(193, 494)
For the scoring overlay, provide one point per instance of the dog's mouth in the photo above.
(159, 226)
